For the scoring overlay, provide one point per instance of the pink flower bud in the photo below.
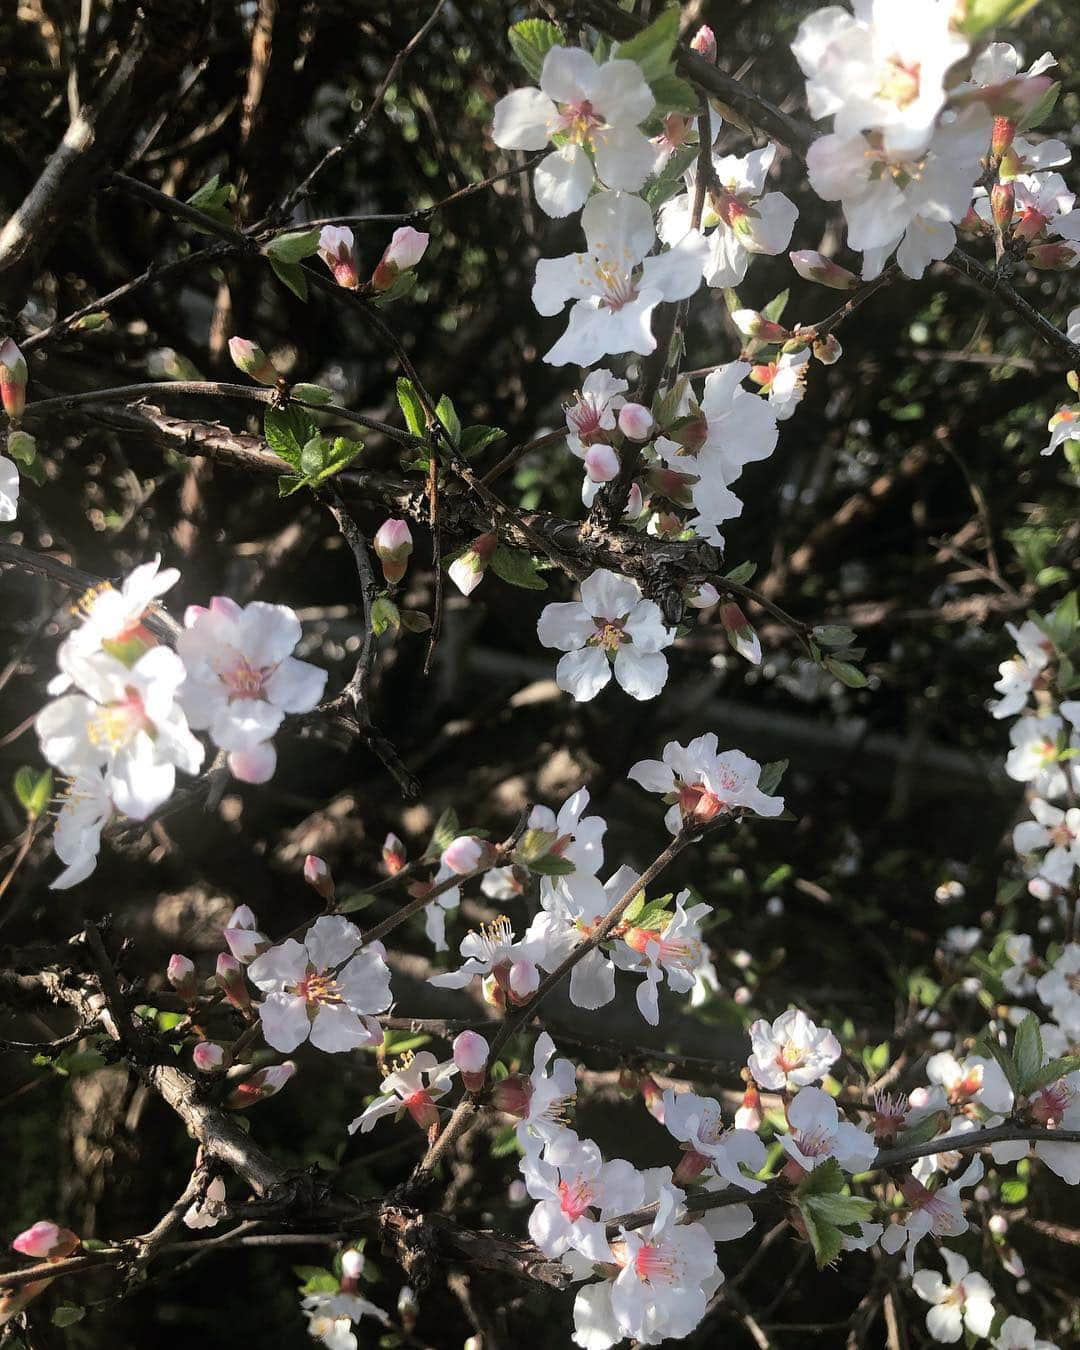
(813, 266)
(393, 854)
(691, 1165)
(250, 358)
(230, 980)
(1001, 138)
(635, 421)
(468, 854)
(393, 543)
(352, 1263)
(406, 248)
(262, 1084)
(704, 597)
(13, 379)
(523, 979)
(208, 1056)
(748, 1116)
(754, 325)
(336, 251)
(181, 975)
(1051, 257)
(513, 1095)
(319, 877)
(704, 43)
(46, 1241)
(471, 1056)
(242, 935)
(601, 463)
(467, 571)
(1002, 205)
(654, 1097)
(1030, 224)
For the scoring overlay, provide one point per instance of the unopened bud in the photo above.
(748, 1116)
(601, 463)
(1002, 205)
(653, 1095)
(740, 633)
(229, 977)
(407, 1309)
(250, 358)
(13, 379)
(319, 877)
(336, 251)
(393, 854)
(813, 266)
(754, 325)
(973, 223)
(262, 1084)
(422, 1109)
(828, 350)
(467, 571)
(1051, 257)
(635, 421)
(471, 1056)
(352, 1263)
(181, 975)
(998, 1225)
(317, 394)
(393, 543)
(21, 446)
(242, 935)
(691, 1165)
(704, 597)
(1030, 225)
(1001, 138)
(467, 853)
(406, 248)
(46, 1241)
(704, 43)
(208, 1056)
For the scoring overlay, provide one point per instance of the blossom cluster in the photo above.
(129, 704)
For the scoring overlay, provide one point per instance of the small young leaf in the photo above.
(67, 1314)
(477, 438)
(1050, 1073)
(775, 308)
(673, 95)
(652, 47)
(291, 275)
(530, 41)
(290, 248)
(516, 567)
(834, 635)
(741, 574)
(287, 431)
(1028, 1050)
(411, 407)
(846, 673)
(447, 414)
(312, 456)
(551, 866)
(771, 774)
(447, 828)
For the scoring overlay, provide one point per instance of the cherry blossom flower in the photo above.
(9, 489)
(592, 415)
(1057, 832)
(791, 1052)
(1034, 757)
(492, 950)
(615, 286)
(1017, 1333)
(45, 1241)
(330, 1317)
(1059, 989)
(592, 113)
(207, 1212)
(882, 69)
(1019, 978)
(816, 1132)
(578, 837)
(675, 951)
(86, 809)
(611, 628)
(966, 1299)
(326, 988)
(572, 912)
(540, 1101)
(702, 783)
(1020, 674)
(125, 720)
(783, 381)
(697, 1123)
(577, 1191)
(939, 1213)
(740, 218)
(1064, 427)
(415, 1085)
(243, 679)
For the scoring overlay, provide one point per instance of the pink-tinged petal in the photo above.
(245, 723)
(257, 765)
(268, 633)
(284, 1021)
(296, 686)
(583, 673)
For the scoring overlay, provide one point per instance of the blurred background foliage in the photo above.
(907, 498)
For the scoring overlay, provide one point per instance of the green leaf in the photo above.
(1014, 1191)
(290, 248)
(846, 673)
(983, 14)
(384, 615)
(741, 574)
(771, 774)
(530, 41)
(551, 866)
(317, 1280)
(673, 95)
(843, 1210)
(35, 471)
(652, 47)
(477, 438)
(289, 483)
(354, 903)
(340, 455)
(923, 1132)
(291, 275)
(317, 394)
(776, 306)
(990, 1049)
(288, 430)
(33, 790)
(1050, 1073)
(213, 199)
(516, 567)
(447, 415)
(411, 407)
(834, 635)
(447, 828)
(1041, 110)
(67, 1314)
(827, 1179)
(825, 1238)
(312, 456)
(415, 620)
(1027, 1050)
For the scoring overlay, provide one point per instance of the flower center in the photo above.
(813, 1143)
(318, 987)
(575, 1199)
(609, 635)
(790, 1056)
(578, 121)
(1051, 1103)
(115, 725)
(696, 800)
(900, 82)
(656, 1264)
(243, 680)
